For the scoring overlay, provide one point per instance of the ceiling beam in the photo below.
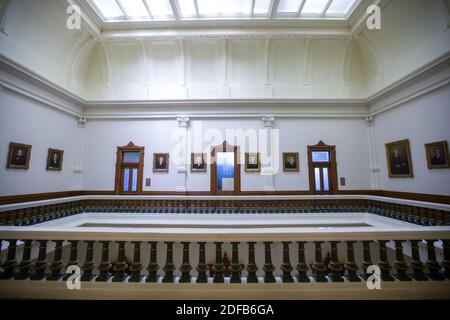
(175, 9)
(325, 9)
(148, 9)
(196, 8)
(299, 12)
(123, 9)
(273, 8)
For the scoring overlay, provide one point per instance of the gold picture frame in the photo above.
(55, 159)
(19, 155)
(398, 158)
(252, 162)
(197, 166)
(437, 155)
(160, 162)
(291, 162)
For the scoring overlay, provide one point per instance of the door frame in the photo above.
(225, 147)
(331, 165)
(130, 147)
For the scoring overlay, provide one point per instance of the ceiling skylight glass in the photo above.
(211, 8)
(147, 10)
(134, 8)
(340, 7)
(187, 8)
(286, 6)
(261, 7)
(109, 9)
(160, 8)
(314, 7)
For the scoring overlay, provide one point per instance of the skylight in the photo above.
(148, 10)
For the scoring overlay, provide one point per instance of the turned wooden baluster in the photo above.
(88, 266)
(336, 268)
(268, 265)
(446, 261)
(121, 266)
(41, 263)
(73, 259)
(417, 267)
(10, 264)
(26, 263)
(218, 266)
(136, 267)
(57, 265)
(350, 265)
(202, 267)
(432, 264)
(367, 261)
(251, 266)
(169, 267)
(236, 268)
(105, 265)
(152, 264)
(302, 267)
(185, 267)
(286, 267)
(400, 264)
(318, 267)
(384, 265)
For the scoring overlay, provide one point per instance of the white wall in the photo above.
(23, 120)
(103, 136)
(422, 120)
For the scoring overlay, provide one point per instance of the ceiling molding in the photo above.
(428, 70)
(260, 32)
(20, 72)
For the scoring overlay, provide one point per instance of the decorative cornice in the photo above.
(20, 72)
(428, 70)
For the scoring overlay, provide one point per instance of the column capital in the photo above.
(183, 121)
(268, 121)
(370, 120)
(82, 122)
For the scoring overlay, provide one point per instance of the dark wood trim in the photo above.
(382, 193)
(224, 147)
(37, 197)
(331, 165)
(130, 147)
(414, 196)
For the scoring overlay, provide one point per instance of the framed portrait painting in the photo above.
(252, 162)
(198, 162)
(19, 156)
(55, 159)
(437, 155)
(398, 158)
(160, 162)
(290, 162)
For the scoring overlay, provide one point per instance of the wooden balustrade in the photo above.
(342, 264)
(29, 214)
